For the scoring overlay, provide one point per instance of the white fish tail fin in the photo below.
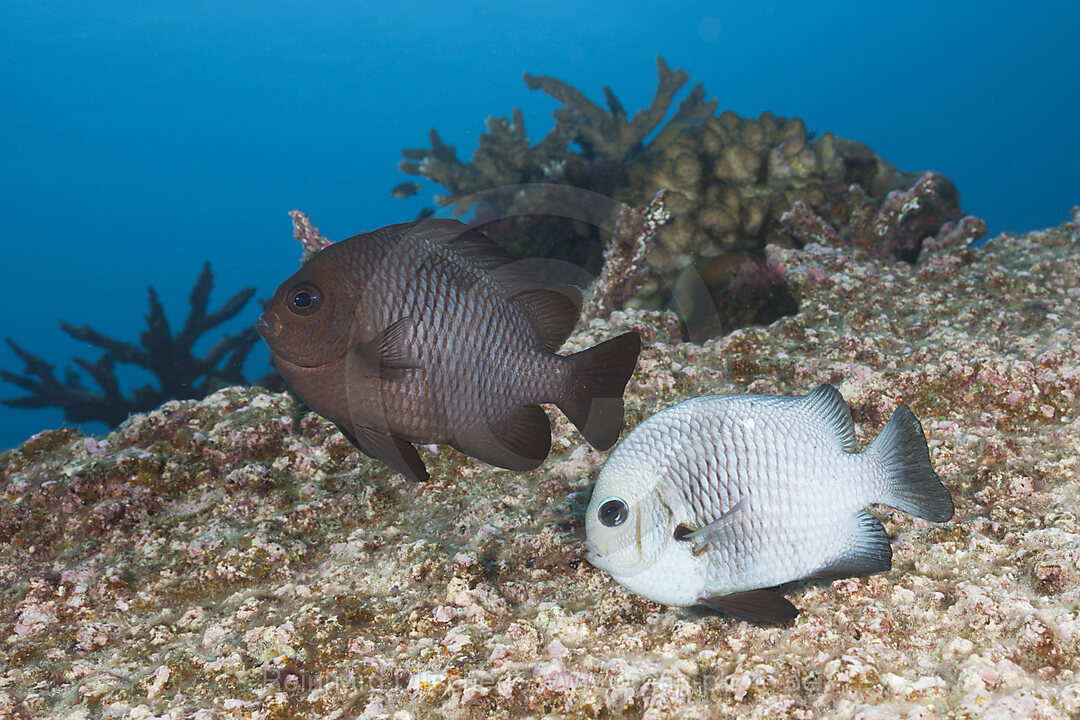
(912, 484)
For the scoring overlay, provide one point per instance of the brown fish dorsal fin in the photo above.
(868, 551)
(520, 440)
(398, 454)
(478, 249)
(828, 406)
(388, 351)
(554, 313)
(755, 605)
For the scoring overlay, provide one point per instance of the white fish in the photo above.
(719, 499)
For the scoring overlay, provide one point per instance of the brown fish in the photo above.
(428, 332)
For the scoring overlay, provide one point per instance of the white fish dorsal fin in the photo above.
(828, 406)
(718, 531)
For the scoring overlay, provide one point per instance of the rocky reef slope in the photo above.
(236, 558)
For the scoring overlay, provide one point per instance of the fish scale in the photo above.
(735, 494)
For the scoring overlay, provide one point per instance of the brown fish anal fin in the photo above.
(718, 531)
(520, 440)
(554, 313)
(388, 351)
(754, 605)
(592, 398)
(398, 454)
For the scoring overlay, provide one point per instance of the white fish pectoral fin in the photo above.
(757, 605)
(718, 531)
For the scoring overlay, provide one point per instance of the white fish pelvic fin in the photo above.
(911, 483)
(718, 531)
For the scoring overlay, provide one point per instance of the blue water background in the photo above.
(138, 139)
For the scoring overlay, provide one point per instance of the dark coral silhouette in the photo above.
(180, 375)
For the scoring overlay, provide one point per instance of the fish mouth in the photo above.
(268, 327)
(593, 552)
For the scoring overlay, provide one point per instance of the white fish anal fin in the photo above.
(868, 551)
(762, 605)
(718, 531)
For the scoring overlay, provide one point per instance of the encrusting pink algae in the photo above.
(236, 558)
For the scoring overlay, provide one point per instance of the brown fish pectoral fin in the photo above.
(717, 532)
(755, 605)
(398, 454)
(519, 440)
(387, 352)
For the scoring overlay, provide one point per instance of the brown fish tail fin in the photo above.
(593, 396)
(912, 484)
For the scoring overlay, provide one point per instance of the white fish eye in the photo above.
(612, 512)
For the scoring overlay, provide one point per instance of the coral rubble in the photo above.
(169, 357)
(234, 557)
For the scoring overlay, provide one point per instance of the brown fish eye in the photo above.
(612, 512)
(304, 299)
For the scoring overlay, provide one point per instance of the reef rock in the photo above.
(234, 557)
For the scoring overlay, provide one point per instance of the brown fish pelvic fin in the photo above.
(592, 397)
(388, 351)
(397, 454)
(519, 440)
(755, 605)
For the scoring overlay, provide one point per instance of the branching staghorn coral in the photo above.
(506, 157)
(180, 375)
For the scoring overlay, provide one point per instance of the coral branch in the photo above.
(624, 256)
(308, 235)
(897, 228)
(606, 134)
(806, 226)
